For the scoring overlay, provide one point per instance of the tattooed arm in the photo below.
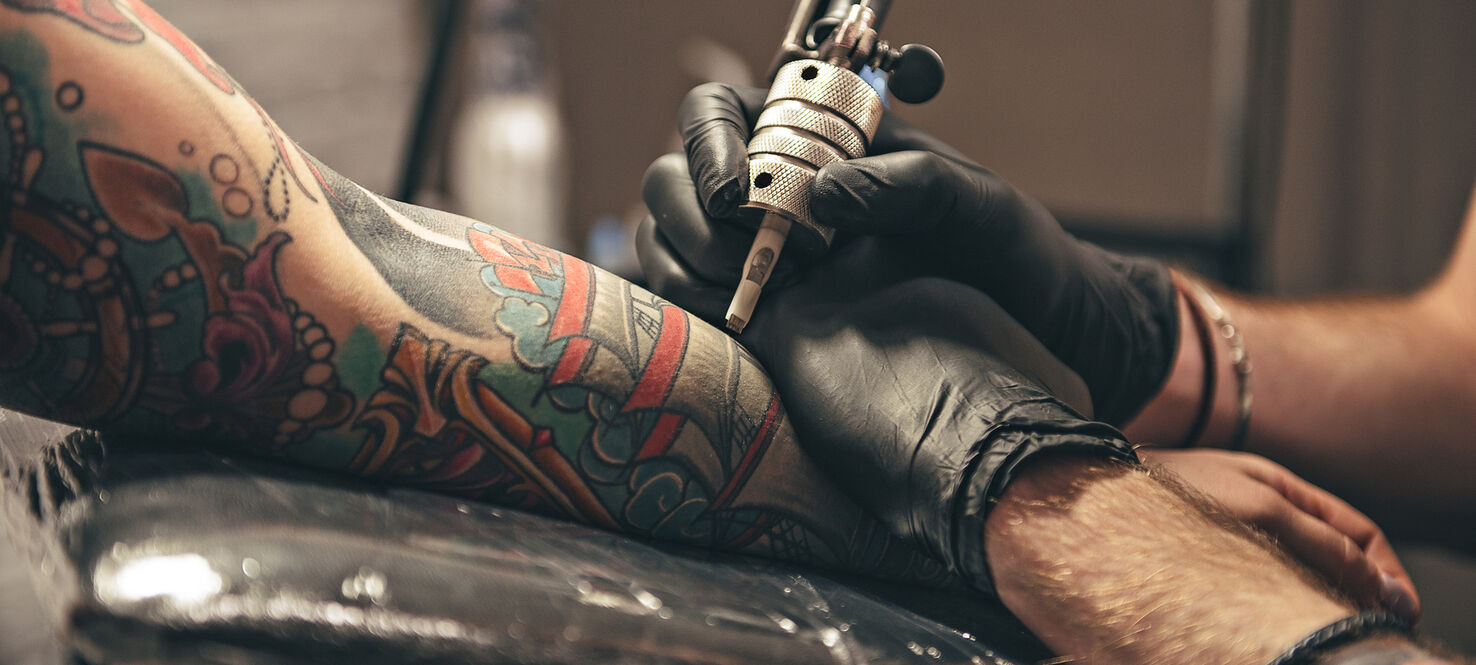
(172, 265)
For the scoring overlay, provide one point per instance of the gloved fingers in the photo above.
(715, 121)
(904, 193)
(713, 249)
(671, 279)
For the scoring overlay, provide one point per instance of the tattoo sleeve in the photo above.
(172, 266)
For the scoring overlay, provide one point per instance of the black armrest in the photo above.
(187, 556)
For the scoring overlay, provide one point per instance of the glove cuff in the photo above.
(996, 462)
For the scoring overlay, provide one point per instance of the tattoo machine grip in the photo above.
(819, 111)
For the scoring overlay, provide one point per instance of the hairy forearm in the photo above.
(172, 265)
(1109, 565)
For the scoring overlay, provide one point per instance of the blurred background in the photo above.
(1302, 148)
(1154, 124)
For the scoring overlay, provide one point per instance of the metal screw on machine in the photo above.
(819, 110)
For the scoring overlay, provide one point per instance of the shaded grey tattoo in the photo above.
(411, 253)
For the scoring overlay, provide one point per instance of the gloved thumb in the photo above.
(899, 193)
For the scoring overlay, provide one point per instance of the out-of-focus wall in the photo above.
(1380, 144)
(1098, 109)
(340, 76)
(1108, 111)
(1104, 111)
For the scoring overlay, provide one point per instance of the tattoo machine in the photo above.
(820, 110)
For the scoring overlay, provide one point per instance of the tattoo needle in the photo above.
(757, 268)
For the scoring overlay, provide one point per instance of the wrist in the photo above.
(1104, 562)
(1011, 451)
(1169, 415)
(1200, 403)
(1225, 412)
(1231, 397)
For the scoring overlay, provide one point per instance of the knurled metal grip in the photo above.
(816, 113)
(829, 87)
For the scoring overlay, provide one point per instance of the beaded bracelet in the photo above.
(1239, 360)
(1341, 632)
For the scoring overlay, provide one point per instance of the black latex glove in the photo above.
(918, 395)
(1112, 319)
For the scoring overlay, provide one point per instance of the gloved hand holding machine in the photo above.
(819, 111)
(935, 234)
(970, 399)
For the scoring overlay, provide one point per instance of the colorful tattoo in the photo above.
(99, 16)
(106, 18)
(103, 268)
(436, 424)
(111, 19)
(141, 292)
(617, 408)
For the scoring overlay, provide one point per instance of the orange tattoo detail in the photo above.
(99, 16)
(435, 424)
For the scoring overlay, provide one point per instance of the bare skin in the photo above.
(1108, 595)
(1369, 398)
(1346, 547)
(1321, 529)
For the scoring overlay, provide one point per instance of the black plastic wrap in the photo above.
(183, 556)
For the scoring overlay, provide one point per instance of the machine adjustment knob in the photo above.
(917, 74)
